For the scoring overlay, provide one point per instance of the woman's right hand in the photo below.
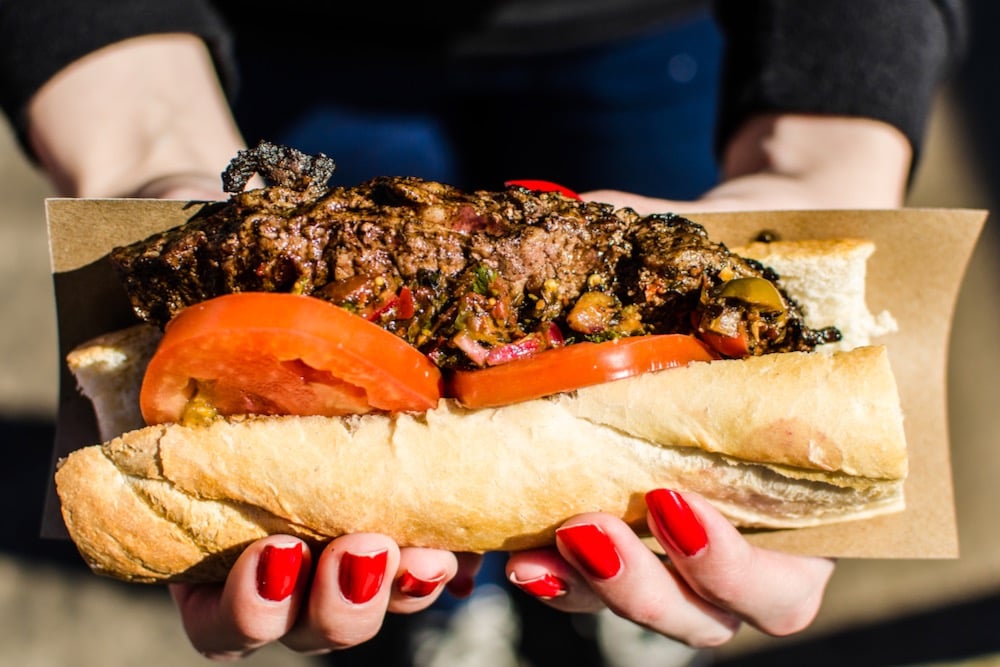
(149, 118)
(279, 590)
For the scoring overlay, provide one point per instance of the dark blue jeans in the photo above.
(634, 115)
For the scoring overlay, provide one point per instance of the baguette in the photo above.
(831, 275)
(778, 441)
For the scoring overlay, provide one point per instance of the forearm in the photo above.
(140, 117)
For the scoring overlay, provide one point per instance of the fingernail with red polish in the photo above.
(676, 522)
(361, 575)
(415, 587)
(546, 587)
(592, 548)
(461, 586)
(278, 571)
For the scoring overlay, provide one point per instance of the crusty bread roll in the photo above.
(829, 276)
(779, 441)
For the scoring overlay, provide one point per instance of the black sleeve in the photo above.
(881, 60)
(40, 37)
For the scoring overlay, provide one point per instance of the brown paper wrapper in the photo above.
(916, 272)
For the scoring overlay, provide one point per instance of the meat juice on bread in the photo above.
(494, 363)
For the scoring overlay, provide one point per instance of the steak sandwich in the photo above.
(465, 371)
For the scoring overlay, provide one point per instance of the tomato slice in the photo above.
(542, 186)
(574, 366)
(737, 346)
(275, 353)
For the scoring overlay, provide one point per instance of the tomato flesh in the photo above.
(276, 353)
(574, 366)
(737, 346)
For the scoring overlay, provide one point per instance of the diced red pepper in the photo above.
(399, 306)
(519, 349)
(404, 303)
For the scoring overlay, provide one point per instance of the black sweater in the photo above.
(881, 60)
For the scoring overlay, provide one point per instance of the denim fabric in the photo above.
(636, 115)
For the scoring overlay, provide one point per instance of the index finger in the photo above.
(775, 592)
(257, 605)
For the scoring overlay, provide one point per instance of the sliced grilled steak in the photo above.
(459, 274)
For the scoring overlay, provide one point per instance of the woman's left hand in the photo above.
(711, 582)
(796, 161)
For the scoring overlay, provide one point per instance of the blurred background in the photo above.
(876, 612)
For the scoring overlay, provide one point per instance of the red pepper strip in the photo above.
(542, 186)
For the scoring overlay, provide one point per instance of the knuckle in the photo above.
(725, 589)
(714, 636)
(253, 632)
(730, 581)
(646, 610)
(346, 636)
(327, 637)
(224, 656)
(702, 630)
(794, 619)
(647, 614)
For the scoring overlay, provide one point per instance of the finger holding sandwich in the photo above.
(774, 592)
(312, 601)
(257, 604)
(710, 581)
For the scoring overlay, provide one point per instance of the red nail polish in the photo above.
(676, 521)
(592, 548)
(361, 575)
(547, 586)
(415, 587)
(278, 571)
(461, 586)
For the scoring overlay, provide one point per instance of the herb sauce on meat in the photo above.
(470, 278)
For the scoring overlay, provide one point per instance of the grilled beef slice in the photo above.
(477, 270)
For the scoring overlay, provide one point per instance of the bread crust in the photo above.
(169, 502)
(828, 277)
(787, 410)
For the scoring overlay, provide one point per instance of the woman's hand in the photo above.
(712, 581)
(279, 590)
(790, 161)
(142, 117)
